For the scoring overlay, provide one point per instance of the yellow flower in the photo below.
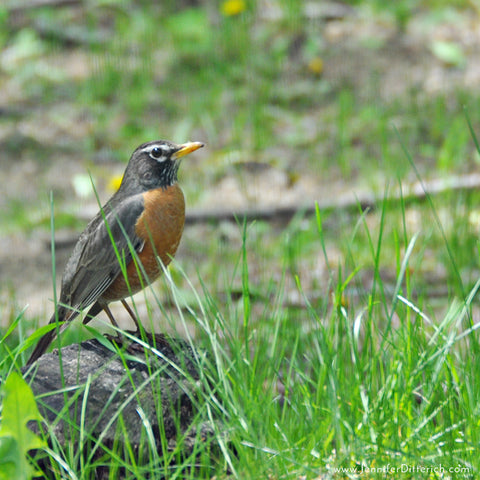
(316, 65)
(230, 8)
(114, 182)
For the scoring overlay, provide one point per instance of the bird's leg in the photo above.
(114, 323)
(110, 316)
(132, 314)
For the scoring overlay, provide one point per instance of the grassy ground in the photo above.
(343, 340)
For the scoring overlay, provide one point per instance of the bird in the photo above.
(123, 247)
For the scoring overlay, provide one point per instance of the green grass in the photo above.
(366, 376)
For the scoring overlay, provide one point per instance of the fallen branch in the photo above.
(362, 201)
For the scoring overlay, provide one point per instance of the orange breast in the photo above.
(161, 226)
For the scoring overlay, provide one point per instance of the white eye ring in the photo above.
(157, 153)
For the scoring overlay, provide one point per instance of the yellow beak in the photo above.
(187, 148)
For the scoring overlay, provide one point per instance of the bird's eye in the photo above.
(156, 153)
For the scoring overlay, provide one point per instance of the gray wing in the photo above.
(95, 262)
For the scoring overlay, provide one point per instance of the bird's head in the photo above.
(154, 165)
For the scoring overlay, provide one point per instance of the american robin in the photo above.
(121, 250)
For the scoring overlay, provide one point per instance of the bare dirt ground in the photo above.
(403, 61)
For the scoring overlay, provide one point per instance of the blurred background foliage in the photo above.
(298, 101)
(273, 81)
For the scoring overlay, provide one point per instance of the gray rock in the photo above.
(90, 394)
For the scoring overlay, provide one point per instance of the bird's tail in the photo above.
(41, 346)
(47, 339)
